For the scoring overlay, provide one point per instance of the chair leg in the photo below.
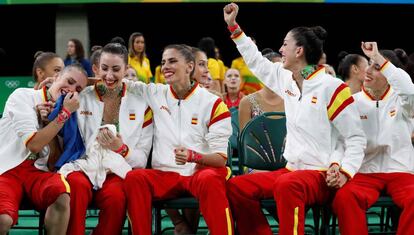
(316, 212)
(129, 228)
(326, 216)
(333, 231)
(395, 213)
(41, 222)
(157, 218)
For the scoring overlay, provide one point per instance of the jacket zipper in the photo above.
(179, 122)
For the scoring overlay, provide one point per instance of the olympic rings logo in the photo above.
(12, 84)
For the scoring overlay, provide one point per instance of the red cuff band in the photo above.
(63, 116)
(193, 156)
(233, 36)
(119, 149)
(233, 28)
(123, 150)
(383, 65)
(66, 111)
(124, 154)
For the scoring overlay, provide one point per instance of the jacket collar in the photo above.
(383, 96)
(189, 93)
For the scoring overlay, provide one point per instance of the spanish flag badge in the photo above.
(194, 120)
(131, 115)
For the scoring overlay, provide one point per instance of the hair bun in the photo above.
(320, 32)
(342, 55)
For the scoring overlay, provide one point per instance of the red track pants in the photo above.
(291, 190)
(352, 200)
(110, 199)
(42, 188)
(142, 186)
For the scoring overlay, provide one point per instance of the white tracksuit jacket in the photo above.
(316, 117)
(387, 124)
(135, 123)
(200, 122)
(18, 125)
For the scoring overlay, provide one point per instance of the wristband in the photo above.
(123, 150)
(120, 148)
(233, 28)
(66, 111)
(193, 156)
(63, 116)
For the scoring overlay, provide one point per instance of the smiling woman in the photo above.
(192, 127)
(108, 103)
(316, 104)
(29, 144)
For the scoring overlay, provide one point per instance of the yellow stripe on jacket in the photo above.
(147, 118)
(341, 98)
(219, 112)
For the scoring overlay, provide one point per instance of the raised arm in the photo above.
(399, 80)
(271, 74)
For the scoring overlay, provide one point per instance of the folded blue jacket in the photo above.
(73, 147)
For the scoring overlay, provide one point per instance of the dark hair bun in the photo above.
(320, 32)
(342, 55)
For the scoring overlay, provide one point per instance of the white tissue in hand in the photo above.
(110, 127)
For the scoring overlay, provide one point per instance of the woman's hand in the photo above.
(43, 110)
(334, 177)
(181, 155)
(108, 140)
(71, 101)
(230, 12)
(47, 82)
(370, 49)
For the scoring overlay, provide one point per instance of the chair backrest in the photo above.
(261, 142)
(235, 126)
(229, 163)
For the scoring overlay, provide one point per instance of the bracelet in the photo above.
(123, 150)
(66, 111)
(193, 156)
(63, 116)
(120, 148)
(233, 28)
